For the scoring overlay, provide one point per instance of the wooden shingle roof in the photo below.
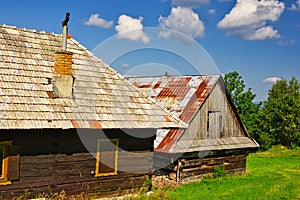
(102, 98)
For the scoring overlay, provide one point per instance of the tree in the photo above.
(243, 100)
(280, 118)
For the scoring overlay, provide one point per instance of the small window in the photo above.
(214, 124)
(4, 163)
(107, 157)
(9, 162)
(1, 161)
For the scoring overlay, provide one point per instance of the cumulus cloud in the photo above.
(183, 20)
(248, 19)
(189, 3)
(272, 80)
(95, 20)
(131, 29)
(295, 6)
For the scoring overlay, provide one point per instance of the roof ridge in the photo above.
(172, 76)
(28, 30)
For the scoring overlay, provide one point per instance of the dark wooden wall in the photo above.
(193, 168)
(55, 160)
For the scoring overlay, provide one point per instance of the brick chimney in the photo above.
(63, 79)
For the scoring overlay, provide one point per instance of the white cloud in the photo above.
(295, 6)
(272, 80)
(189, 3)
(125, 65)
(183, 20)
(266, 32)
(95, 20)
(286, 43)
(212, 11)
(248, 19)
(131, 29)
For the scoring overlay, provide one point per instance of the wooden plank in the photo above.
(212, 161)
(231, 167)
(76, 186)
(197, 171)
(116, 183)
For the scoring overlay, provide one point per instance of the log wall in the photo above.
(195, 169)
(72, 169)
(189, 168)
(76, 174)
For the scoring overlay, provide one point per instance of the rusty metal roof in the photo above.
(102, 98)
(183, 96)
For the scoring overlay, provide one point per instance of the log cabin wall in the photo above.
(192, 168)
(56, 160)
(195, 169)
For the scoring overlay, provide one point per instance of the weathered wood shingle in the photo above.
(101, 94)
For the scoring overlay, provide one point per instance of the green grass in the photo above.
(274, 174)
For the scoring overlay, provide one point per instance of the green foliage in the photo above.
(243, 100)
(279, 121)
(266, 178)
(219, 171)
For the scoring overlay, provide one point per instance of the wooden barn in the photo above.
(69, 122)
(215, 135)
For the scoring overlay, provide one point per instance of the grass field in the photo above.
(274, 174)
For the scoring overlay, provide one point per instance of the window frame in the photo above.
(4, 174)
(98, 162)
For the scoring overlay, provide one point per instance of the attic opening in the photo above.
(214, 124)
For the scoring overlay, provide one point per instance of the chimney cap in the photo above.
(66, 20)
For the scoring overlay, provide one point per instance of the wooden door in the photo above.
(214, 124)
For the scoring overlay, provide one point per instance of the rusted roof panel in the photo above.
(182, 96)
(102, 98)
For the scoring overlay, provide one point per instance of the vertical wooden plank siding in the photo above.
(218, 106)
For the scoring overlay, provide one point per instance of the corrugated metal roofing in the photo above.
(183, 96)
(102, 98)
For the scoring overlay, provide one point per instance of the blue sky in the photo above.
(258, 38)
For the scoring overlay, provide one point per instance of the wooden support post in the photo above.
(179, 165)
